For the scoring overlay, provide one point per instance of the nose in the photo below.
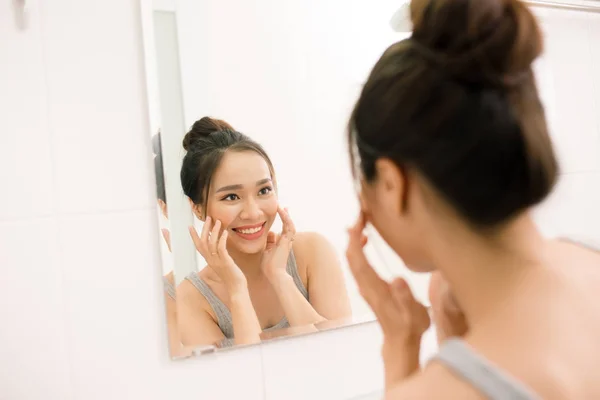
(251, 210)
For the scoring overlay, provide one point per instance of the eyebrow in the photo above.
(238, 187)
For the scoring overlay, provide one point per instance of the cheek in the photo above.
(270, 207)
(222, 212)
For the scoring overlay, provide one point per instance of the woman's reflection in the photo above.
(254, 280)
(168, 279)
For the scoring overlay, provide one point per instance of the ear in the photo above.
(196, 209)
(392, 185)
(163, 208)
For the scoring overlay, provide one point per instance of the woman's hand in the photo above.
(278, 248)
(448, 317)
(403, 320)
(214, 250)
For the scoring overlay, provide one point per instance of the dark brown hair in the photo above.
(206, 143)
(457, 102)
(161, 192)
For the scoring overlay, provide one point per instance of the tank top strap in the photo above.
(221, 311)
(292, 270)
(169, 288)
(483, 375)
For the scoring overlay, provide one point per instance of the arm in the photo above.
(197, 327)
(326, 282)
(326, 287)
(246, 328)
(297, 309)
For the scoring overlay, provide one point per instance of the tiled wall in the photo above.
(80, 292)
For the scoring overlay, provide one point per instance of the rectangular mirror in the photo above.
(260, 99)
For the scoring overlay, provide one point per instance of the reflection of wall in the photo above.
(78, 257)
(172, 123)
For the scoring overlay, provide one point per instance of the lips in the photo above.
(250, 232)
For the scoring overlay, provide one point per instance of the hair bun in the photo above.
(480, 41)
(202, 129)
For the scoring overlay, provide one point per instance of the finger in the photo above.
(415, 313)
(288, 228)
(271, 241)
(222, 248)
(363, 273)
(372, 288)
(206, 229)
(198, 243)
(214, 238)
(364, 240)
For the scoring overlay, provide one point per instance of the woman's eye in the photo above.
(231, 197)
(265, 190)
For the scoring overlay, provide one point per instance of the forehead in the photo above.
(241, 167)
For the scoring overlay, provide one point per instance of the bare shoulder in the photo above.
(310, 248)
(310, 239)
(191, 299)
(435, 382)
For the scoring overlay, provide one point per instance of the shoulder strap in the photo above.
(480, 373)
(221, 311)
(169, 288)
(585, 243)
(292, 270)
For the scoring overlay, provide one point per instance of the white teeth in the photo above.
(249, 231)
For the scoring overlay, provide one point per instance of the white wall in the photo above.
(80, 291)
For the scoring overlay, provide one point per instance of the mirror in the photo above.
(248, 112)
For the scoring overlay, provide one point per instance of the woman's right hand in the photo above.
(214, 250)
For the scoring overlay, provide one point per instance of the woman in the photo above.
(452, 151)
(254, 281)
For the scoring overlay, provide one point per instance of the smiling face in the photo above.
(242, 196)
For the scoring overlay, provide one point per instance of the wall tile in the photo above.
(330, 365)
(116, 313)
(573, 208)
(25, 153)
(34, 353)
(97, 107)
(572, 118)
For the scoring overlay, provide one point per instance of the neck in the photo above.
(250, 264)
(487, 272)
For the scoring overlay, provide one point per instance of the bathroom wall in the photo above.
(80, 291)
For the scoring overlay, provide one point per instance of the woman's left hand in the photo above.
(403, 320)
(278, 248)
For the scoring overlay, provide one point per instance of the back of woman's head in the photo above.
(206, 143)
(458, 104)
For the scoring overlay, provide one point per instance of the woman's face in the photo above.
(391, 207)
(243, 198)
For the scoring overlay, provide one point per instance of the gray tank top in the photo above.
(169, 288)
(223, 314)
(482, 374)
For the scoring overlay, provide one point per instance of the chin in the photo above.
(254, 247)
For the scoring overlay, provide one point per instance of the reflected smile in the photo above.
(250, 232)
